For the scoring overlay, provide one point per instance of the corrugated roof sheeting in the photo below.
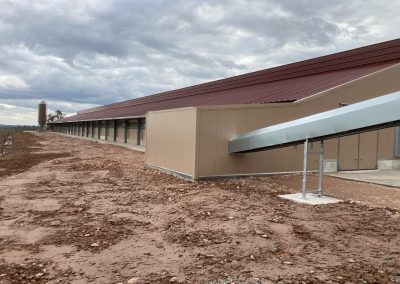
(281, 84)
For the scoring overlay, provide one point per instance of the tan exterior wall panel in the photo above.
(95, 131)
(217, 125)
(229, 123)
(143, 137)
(103, 131)
(172, 138)
(110, 131)
(120, 133)
(348, 153)
(207, 145)
(132, 136)
(367, 150)
(386, 144)
(155, 149)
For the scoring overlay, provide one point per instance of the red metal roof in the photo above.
(285, 83)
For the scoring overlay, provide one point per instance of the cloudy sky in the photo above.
(79, 54)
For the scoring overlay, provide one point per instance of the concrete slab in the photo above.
(386, 177)
(311, 199)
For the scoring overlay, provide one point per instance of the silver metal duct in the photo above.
(376, 113)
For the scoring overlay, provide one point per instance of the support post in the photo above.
(106, 131)
(304, 189)
(126, 131)
(321, 168)
(139, 130)
(98, 129)
(115, 130)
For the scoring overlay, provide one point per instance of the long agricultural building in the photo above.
(186, 131)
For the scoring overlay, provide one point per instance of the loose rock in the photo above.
(133, 280)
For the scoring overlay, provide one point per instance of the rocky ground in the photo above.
(75, 211)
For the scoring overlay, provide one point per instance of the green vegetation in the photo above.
(52, 116)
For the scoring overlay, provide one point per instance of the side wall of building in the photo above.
(217, 124)
(171, 140)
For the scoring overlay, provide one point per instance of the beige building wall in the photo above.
(143, 136)
(171, 140)
(103, 130)
(132, 132)
(110, 130)
(120, 137)
(217, 124)
(95, 130)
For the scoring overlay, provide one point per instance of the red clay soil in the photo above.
(96, 214)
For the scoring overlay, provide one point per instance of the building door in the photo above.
(368, 150)
(348, 153)
(358, 152)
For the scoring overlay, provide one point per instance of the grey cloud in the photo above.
(76, 54)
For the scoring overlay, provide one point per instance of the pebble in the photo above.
(38, 275)
(86, 235)
(265, 236)
(133, 280)
(351, 260)
(259, 232)
(230, 218)
(55, 223)
(2, 275)
(173, 279)
(288, 262)
(252, 257)
(94, 245)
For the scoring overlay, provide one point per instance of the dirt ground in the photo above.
(75, 211)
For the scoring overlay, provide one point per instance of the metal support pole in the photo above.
(304, 189)
(321, 168)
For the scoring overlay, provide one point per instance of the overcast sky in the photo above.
(79, 54)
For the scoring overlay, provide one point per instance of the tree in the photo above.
(52, 116)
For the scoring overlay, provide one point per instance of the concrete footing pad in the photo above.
(311, 199)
